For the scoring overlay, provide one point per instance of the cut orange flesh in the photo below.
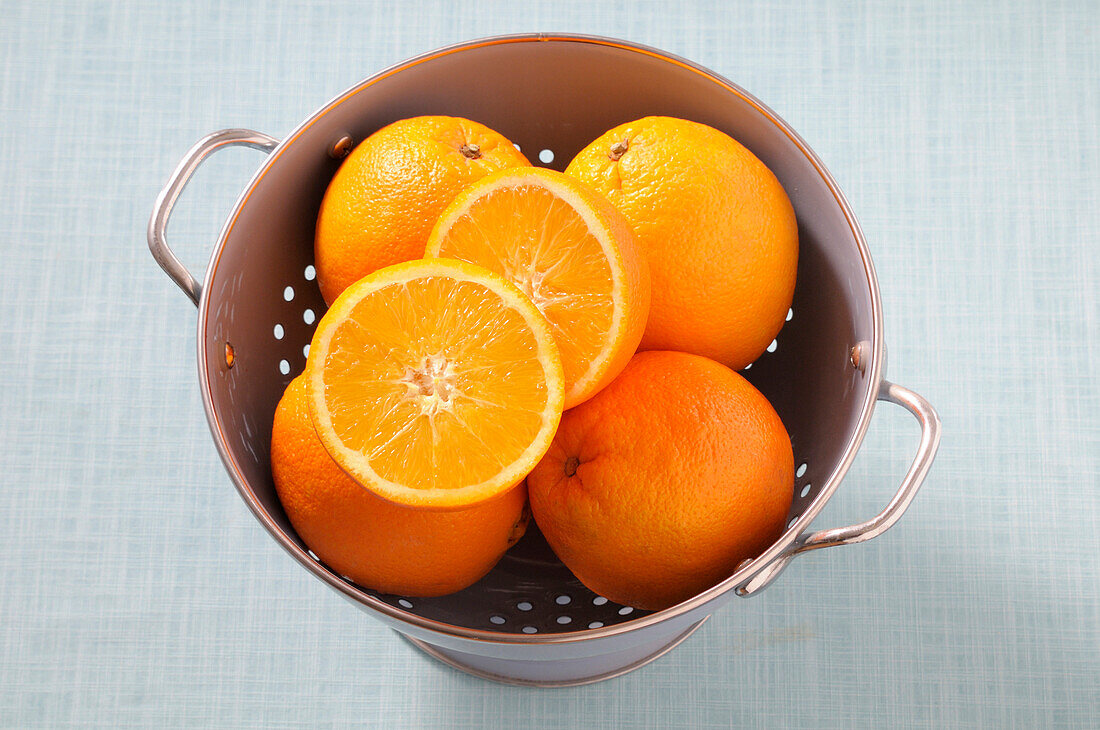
(570, 251)
(435, 383)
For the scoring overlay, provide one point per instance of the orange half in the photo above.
(570, 251)
(434, 383)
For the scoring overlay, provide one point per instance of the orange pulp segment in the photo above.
(434, 383)
(570, 251)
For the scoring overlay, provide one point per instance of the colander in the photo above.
(530, 621)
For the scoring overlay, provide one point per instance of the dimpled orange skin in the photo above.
(383, 201)
(680, 469)
(376, 543)
(717, 227)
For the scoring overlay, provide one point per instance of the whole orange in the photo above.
(384, 199)
(376, 543)
(717, 227)
(661, 484)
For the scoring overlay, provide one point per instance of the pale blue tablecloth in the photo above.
(138, 590)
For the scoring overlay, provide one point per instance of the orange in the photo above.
(434, 383)
(570, 251)
(378, 544)
(382, 202)
(717, 227)
(661, 484)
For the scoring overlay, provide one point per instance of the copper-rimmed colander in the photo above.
(530, 621)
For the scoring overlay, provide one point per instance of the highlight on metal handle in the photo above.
(930, 425)
(162, 209)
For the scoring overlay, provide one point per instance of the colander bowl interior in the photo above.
(551, 96)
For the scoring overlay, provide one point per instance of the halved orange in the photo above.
(435, 383)
(570, 251)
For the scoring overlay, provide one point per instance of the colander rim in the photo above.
(413, 621)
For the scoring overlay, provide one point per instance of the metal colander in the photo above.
(530, 621)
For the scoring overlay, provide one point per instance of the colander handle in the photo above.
(162, 209)
(929, 420)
